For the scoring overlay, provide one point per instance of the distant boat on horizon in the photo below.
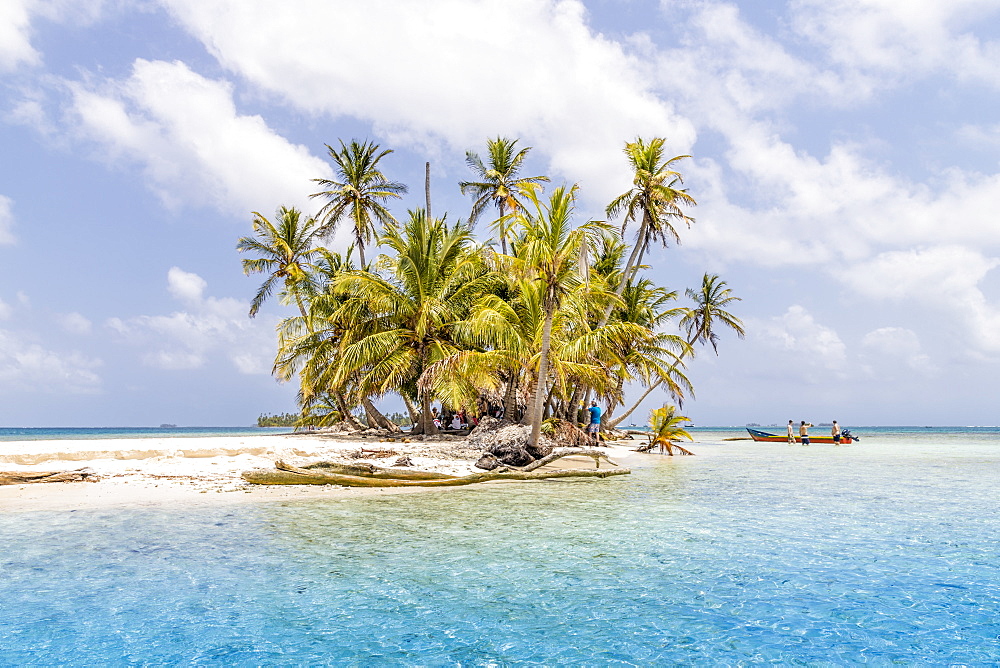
(168, 426)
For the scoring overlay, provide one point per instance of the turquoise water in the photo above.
(881, 553)
(75, 433)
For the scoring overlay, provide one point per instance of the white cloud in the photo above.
(209, 328)
(451, 72)
(15, 25)
(805, 210)
(903, 38)
(28, 367)
(6, 220)
(807, 345)
(942, 275)
(980, 136)
(725, 60)
(946, 279)
(5, 310)
(194, 146)
(185, 286)
(74, 323)
(15, 45)
(897, 343)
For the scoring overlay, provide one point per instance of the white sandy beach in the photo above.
(152, 471)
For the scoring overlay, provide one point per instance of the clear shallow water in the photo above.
(747, 553)
(87, 433)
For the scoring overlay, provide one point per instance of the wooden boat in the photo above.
(765, 437)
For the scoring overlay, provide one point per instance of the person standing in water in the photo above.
(835, 432)
(791, 433)
(804, 432)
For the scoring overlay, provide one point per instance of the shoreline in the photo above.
(145, 472)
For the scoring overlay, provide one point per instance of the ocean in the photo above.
(884, 552)
(87, 433)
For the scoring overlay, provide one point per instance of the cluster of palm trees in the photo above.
(531, 329)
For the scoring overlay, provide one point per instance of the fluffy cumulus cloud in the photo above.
(730, 68)
(74, 323)
(945, 280)
(803, 344)
(185, 286)
(195, 147)
(15, 43)
(16, 17)
(6, 220)
(26, 366)
(771, 200)
(774, 203)
(209, 328)
(888, 345)
(904, 38)
(451, 73)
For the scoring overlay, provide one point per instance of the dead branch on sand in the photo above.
(369, 475)
(24, 477)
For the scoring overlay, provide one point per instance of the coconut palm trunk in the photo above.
(510, 397)
(412, 411)
(617, 421)
(425, 424)
(427, 189)
(543, 369)
(345, 413)
(631, 267)
(375, 417)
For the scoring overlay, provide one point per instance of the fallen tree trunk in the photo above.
(330, 473)
(372, 471)
(25, 477)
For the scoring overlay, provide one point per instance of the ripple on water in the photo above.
(744, 556)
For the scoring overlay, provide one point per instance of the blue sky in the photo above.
(845, 162)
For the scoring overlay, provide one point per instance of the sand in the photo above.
(158, 471)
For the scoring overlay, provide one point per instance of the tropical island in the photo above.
(511, 356)
(546, 316)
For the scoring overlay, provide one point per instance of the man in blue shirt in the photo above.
(594, 428)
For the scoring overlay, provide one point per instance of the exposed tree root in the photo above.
(366, 475)
(596, 455)
(24, 477)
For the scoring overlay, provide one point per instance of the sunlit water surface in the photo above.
(884, 552)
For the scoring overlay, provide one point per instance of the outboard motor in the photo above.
(846, 434)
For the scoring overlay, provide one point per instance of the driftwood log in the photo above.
(367, 475)
(24, 477)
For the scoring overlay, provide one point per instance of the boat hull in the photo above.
(765, 437)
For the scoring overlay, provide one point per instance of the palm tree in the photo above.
(701, 323)
(549, 253)
(499, 183)
(359, 192)
(709, 311)
(404, 317)
(309, 346)
(666, 428)
(654, 200)
(500, 342)
(655, 360)
(285, 253)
